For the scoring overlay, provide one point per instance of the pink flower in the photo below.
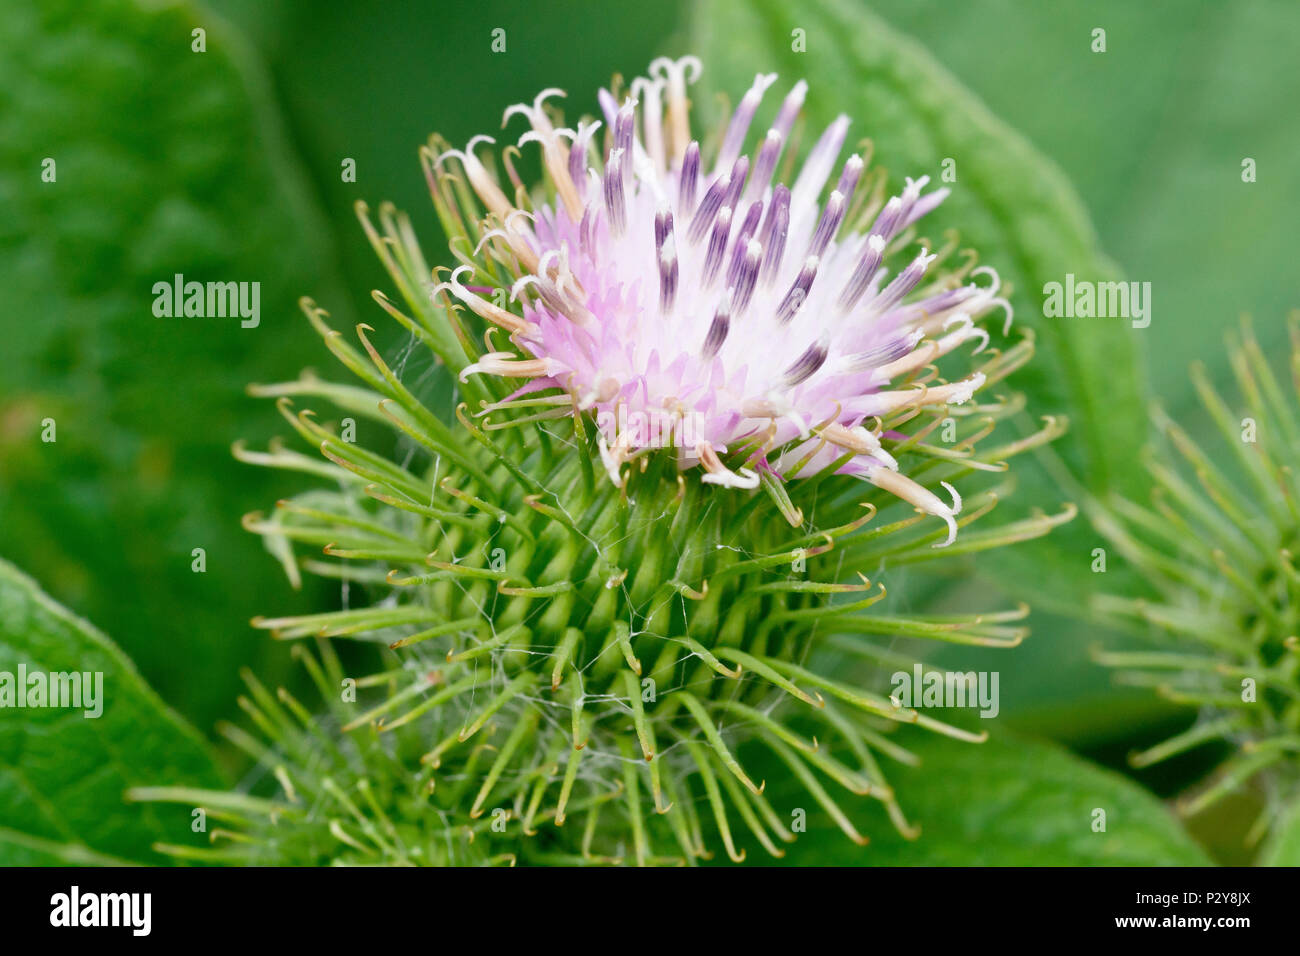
(706, 306)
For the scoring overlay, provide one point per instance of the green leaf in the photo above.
(1007, 802)
(1008, 202)
(1152, 133)
(1283, 846)
(166, 160)
(63, 773)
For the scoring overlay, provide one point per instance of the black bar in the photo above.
(876, 906)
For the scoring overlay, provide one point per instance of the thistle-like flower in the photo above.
(1223, 562)
(713, 305)
(575, 626)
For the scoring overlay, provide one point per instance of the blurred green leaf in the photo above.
(62, 773)
(1152, 134)
(167, 161)
(1008, 802)
(1283, 847)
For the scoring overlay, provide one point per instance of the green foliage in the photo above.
(1014, 801)
(62, 774)
(167, 161)
(1152, 134)
(1283, 847)
(1218, 548)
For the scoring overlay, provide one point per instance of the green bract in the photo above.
(1218, 544)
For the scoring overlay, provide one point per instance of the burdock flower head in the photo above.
(711, 304)
(572, 624)
(1219, 546)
